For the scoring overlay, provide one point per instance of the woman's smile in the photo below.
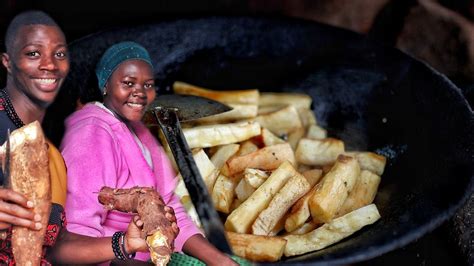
(136, 106)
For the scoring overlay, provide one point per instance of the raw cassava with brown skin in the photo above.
(29, 175)
(149, 205)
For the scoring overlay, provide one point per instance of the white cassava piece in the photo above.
(30, 176)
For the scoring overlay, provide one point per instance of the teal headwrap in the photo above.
(117, 54)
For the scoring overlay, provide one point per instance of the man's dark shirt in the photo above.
(5, 124)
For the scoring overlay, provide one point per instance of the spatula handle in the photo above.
(212, 225)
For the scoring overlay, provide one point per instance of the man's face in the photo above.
(39, 62)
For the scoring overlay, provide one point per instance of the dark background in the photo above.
(436, 32)
(79, 18)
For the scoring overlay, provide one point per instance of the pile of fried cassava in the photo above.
(285, 187)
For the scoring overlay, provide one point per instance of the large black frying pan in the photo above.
(373, 97)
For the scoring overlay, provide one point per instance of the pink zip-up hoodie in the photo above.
(99, 150)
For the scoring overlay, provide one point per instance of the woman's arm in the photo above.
(72, 248)
(198, 247)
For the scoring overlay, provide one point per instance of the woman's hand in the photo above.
(15, 209)
(172, 218)
(135, 238)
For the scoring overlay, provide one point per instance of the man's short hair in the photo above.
(32, 17)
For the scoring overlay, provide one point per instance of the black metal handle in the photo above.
(213, 228)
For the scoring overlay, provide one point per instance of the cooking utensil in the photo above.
(6, 174)
(6, 162)
(373, 97)
(169, 110)
(187, 107)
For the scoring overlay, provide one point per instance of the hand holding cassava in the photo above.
(157, 219)
(15, 209)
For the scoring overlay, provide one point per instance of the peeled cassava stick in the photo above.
(150, 206)
(29, 175)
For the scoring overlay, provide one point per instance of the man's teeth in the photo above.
(135, 105)
(46, 81)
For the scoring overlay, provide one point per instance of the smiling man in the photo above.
(37, 63)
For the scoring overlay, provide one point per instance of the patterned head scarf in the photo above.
(117, 54)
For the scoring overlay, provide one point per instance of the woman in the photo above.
(106, 144)
(37, 63)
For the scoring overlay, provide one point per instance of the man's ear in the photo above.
(6, 62)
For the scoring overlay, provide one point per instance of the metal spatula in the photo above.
(169, 110)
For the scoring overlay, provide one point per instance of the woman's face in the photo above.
(130, 89)
(39, 62)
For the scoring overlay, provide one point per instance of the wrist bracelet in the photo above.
(124, 251)
(116, 246)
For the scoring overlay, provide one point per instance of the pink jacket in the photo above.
(100, 150)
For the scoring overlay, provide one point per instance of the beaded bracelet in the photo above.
(124, 251)
(116, 246)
